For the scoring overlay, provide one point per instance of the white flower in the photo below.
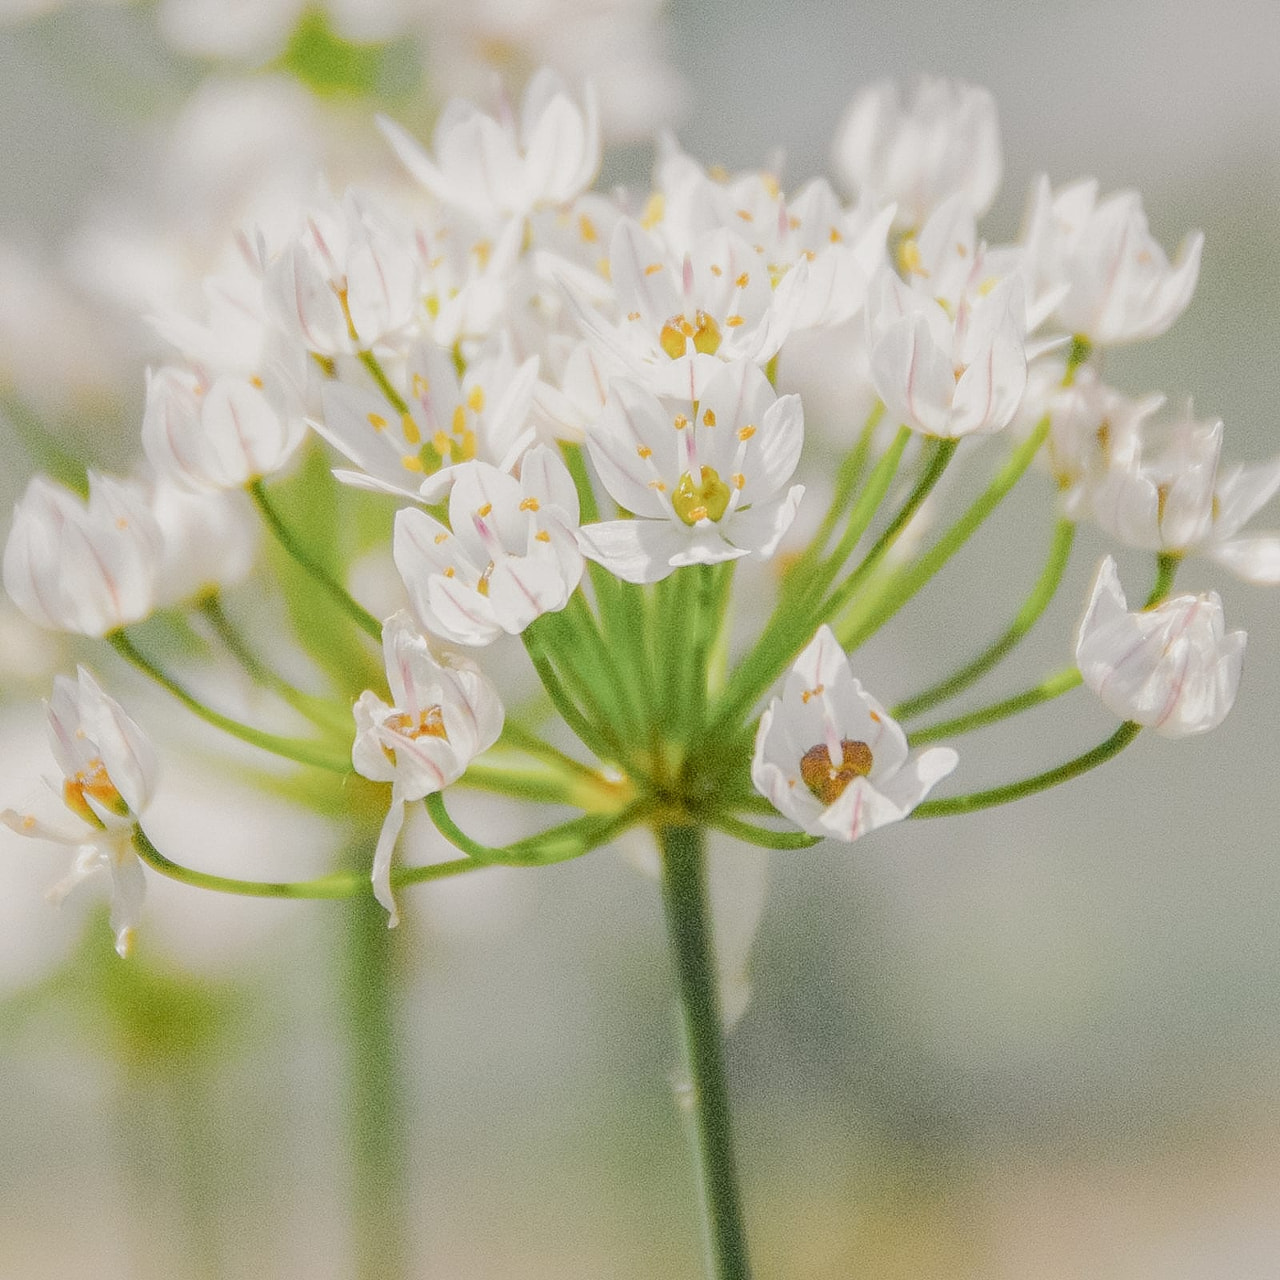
(704, 480)
(219, 434)
(947, 372)
(1173, 668)
(684, 315)
(1175, 498)
(918, 148)
(440, 717)
(210, 541)
(346, 281)
(843, 248)
(109, 771)
(1120, 285)
(509, 556)
(484, 414)
(88, 568)
(493, 167)
(831, 758)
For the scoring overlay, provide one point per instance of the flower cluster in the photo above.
(537, 382)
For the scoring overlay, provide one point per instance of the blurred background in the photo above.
(1042, 1042)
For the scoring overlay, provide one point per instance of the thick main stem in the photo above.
(684, 892)
(374, 1103)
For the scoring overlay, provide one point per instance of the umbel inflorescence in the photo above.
(569, 413)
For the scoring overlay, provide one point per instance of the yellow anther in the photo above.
(255, 381)
(484, 510)
(450, 572)
(718, 173)
(482, 249)
(441, 538)
(633, 315)
(376, 421)
(605, 268)
(482, 586)
(962, 249)
(709, 418)
(706, 498)
(653, 268)
(743, 280)
(745, 215)
(432, 304)
(836, 237)
(793, 222)
(411, 462)
(421, 387)
(815, 692)
(442, 444)
(93, 783)
(654, 208)
(770, 184)
(122, 522)
(28, 821)
(809, 256)
(987, 285)
(679, 422)
(587, 229)
(529, 504)
(735, 322)
(542, 536)
(659, 485)
(910, 263)
(644, 451)
(410, 428)
(716, 270)
(828, 781)
(739, 480)
(475, 399)
(745, 433)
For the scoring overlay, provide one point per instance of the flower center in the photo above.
(429, 724)
(706, 498)
(828, 781)
(92, 782)
(678, 330)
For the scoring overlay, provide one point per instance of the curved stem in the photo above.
(322, 713)
(1029, 786)
(943, 453)
(684, 895)
(1035, 604)
(556, 844)
(762, 836)
(285, 537)
(376, 372)
(918, 573)
(793, 621)
(296, 749)
(338, 884)
(1048, 688)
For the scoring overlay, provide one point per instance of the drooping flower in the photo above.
(1175, 497)
(915, 148)
(831, 758)
(704, 480)
(1174, 668)
(109, 772)
(83, 567)
(495, 167)
(441, 715)
(1120, 285)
